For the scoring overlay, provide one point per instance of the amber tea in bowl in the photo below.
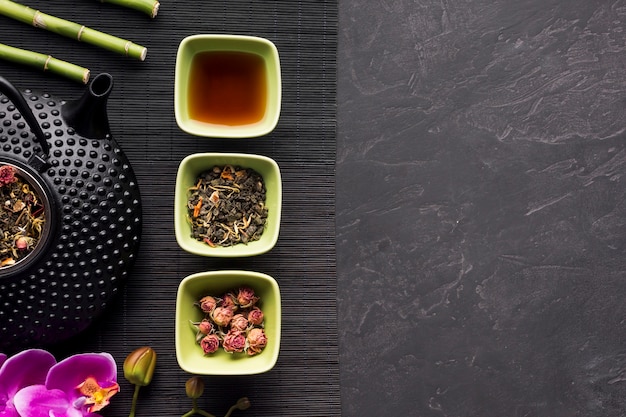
(227, 86)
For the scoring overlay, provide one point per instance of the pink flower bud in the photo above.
(7, 175)
(210, 343)
(234, 341)
(205, 326)
(21, 243)
(207, 304)
(222, 316)
(256, 341)
(246, 297)
(239, 322)
(255, 316)
(229, 301)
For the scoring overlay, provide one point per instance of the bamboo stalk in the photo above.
(44, 62)
(149, 7)
(71, 30)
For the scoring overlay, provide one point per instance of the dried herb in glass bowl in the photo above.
(22, 217)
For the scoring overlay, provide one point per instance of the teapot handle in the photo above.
(19, 101)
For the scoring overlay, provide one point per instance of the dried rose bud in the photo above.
(255, 316)
(21, 243)
(205, 326)
(230, 301)
(139, 366)
(207, 304)
(222, 316)
(210, 343)
(256, 341)
(7, 175)
(246, 297)
(234, 341)
(239, 322)
(194, 387)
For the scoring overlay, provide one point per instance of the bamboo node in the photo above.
(127, 47)
(86, 74)
(45, 64)
(80, 32)
(39, 20)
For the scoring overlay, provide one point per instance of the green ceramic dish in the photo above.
(192, 45)
(188, 172)
(189, 354)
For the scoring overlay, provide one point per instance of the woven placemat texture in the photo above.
(305, 380)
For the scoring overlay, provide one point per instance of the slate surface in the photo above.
(481, 224)
(305, 379)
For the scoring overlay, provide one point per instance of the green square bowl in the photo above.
(189, 354)
(193, 45)
(189, 170)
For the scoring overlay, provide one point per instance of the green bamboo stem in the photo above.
(149, 7)
(71, 30)
(44, 62)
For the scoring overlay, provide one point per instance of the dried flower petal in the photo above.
(19, 205)
(7, 262)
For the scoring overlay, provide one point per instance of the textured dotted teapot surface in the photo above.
(95, 231)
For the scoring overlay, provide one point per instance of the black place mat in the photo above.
(305, 380)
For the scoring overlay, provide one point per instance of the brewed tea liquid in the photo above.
(227, 88)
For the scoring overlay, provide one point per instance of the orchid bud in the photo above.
(194, 387)
(243, 403)
(139, 366)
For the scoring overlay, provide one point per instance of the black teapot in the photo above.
(92, 205)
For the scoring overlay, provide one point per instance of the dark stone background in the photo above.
(481, 220)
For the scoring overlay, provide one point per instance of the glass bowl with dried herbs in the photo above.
(24, 219)
(227, 204)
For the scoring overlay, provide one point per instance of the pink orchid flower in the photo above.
(27, 368)
(78, 386)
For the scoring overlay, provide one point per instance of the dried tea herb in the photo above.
(226, 206)
(21, 217)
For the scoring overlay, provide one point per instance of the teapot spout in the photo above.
(88, 115)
